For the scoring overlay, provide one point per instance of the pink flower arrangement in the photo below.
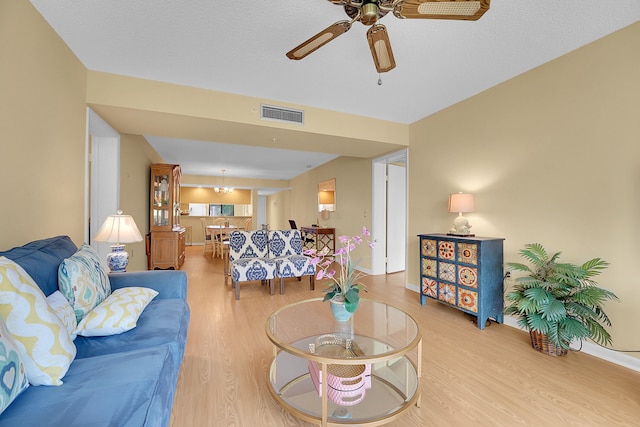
(344, 286)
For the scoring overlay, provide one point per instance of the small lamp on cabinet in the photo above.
(118, 229)
(461, 203)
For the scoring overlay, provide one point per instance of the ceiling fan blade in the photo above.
(381, 48)
(319, 40)
(470, 10)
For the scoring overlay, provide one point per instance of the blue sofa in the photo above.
(121, 380)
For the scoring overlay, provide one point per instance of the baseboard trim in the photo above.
(589, 348)
(593, 349)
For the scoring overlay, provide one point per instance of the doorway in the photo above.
(389, 213)
(102, 177)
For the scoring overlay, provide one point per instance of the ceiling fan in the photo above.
(368, 12)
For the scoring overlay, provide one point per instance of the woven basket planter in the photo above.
(540, 342)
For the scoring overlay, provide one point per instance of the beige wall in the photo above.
(353, 200)
(136, 157)
(208, 195)
(42, 123)
(552, 156)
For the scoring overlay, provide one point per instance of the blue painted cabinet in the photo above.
(463, 272)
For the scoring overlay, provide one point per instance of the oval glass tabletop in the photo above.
(379, 330)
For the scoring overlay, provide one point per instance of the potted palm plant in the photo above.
(558, 302)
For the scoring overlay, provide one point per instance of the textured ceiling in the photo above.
(239, 47)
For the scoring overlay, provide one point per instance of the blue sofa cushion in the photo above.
(129, 389)
(163, 321)
(41, 260)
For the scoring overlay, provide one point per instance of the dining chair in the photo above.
(208, 242)
(248, 224)
(219, 235)
(248, 259)
(285, 246)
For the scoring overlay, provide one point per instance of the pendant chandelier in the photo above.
(223, 189)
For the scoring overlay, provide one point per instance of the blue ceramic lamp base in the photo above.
(118, 259)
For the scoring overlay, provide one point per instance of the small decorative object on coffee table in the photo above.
(346, 384)
(345, 286)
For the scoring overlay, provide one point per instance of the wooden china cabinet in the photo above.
(166, 238)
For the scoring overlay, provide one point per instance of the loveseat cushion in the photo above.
(163, 321)
(41, 258)
(128, 389)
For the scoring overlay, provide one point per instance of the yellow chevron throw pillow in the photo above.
(116, 314)
(45, 345)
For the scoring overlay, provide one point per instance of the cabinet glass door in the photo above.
(161, 200)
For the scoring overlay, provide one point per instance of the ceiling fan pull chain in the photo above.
(379, 80)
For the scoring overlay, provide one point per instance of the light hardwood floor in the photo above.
(470, 377)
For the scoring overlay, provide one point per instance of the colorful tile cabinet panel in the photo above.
(463, 272)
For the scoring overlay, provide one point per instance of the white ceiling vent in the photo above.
(281, 114)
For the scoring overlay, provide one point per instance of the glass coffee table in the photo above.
(364, 371)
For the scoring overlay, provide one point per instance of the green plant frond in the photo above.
(593, 296)
(595, 266)
(553, 310)
(580, 310)
(519, 267)
(536, 322)
(571, 328)
(528, 282)
(527, 306)
(555, 336)
(522, 322)
(570, 271)
(535, 254)
(598, 333)
(602, 316)
(538, 295)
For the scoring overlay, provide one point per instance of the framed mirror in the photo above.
(327, 195)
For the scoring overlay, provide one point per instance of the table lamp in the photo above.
(118, 229)
(461, 203)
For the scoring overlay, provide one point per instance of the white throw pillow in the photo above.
(62, 308)
(116, 314)
(45, 345)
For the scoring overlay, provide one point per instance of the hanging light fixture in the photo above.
(223, 189)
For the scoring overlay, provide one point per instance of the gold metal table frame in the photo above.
(390, 341)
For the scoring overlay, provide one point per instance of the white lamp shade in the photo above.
(461, 202)
(118, 229)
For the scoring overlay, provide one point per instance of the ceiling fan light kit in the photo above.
(369, 12)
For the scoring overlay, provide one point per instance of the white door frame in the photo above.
(396, 217)
(102, 175)
(379, 207)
